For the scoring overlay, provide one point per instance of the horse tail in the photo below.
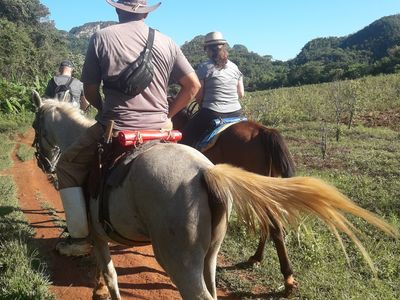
(276, 147)
(258, 198)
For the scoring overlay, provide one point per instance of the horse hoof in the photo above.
(69, 247)
(253, 262)
(101, 293)
(101, 297)
(291, 288)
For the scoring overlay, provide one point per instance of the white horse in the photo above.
(175, 198)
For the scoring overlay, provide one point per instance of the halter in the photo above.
(45, 164)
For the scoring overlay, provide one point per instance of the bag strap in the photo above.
(150, 40)
(146, 53)
(68, 83)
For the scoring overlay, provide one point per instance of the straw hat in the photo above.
(214, 38)
(134, 6)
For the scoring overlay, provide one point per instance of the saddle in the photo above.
(217, 126)
(116, 153)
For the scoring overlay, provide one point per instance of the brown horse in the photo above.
(260, 150)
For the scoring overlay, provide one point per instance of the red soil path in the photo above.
(139, 275)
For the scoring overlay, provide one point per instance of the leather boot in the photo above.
(77, 224)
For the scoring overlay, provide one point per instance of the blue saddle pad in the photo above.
(217, 126)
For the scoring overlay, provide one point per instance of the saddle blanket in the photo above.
(218, 125)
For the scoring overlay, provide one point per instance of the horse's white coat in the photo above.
(163, 199)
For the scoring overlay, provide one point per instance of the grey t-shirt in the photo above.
(76, 88)
(110, 51)
(220, 86)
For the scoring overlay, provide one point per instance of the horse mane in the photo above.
(51, 105)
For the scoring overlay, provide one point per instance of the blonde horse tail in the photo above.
(256, 198)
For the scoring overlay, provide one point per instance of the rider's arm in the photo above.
(84, 104)
(240, 87)
(190, 85)
(49, 92)
(92, 95)
(200, 93)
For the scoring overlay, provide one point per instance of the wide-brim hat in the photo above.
(214, 38)
(134, 6)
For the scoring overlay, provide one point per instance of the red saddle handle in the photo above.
(134, 137)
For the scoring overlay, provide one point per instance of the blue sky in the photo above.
(268, 27)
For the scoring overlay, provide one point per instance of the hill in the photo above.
(87, 29)
(377, 38)
(370, 43)
(78, 37)
(372, 50)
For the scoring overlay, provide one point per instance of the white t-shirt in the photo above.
(220, 86)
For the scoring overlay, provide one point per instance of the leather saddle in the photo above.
(114, 159)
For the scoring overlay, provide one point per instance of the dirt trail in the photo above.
(139, 275)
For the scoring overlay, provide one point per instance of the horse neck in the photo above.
(180, 120)
(66, 130)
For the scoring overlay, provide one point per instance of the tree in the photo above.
(306, 74)
(16, 51)
(29, 46)
(29, 12)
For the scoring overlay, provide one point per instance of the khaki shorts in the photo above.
(74, 165)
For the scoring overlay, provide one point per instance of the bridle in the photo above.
(47, 165)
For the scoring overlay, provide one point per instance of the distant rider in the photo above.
(75, 86)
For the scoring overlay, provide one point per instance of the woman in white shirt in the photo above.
(221, 88)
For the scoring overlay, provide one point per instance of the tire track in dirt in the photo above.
(139, 275)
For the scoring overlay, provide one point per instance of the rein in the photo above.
(44, 163)
(192, 109)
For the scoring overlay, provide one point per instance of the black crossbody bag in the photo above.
(138, 74)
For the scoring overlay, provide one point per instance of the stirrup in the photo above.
(74, 247)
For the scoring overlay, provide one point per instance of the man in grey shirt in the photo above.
(74, 93)
(110, 50)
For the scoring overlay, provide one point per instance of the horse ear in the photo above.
(36, 99)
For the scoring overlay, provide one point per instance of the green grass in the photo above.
(15, 123)
(365, 97)
(367, 172)
(5, 150)
(10, 127)
(22, 274)
(25, 153)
